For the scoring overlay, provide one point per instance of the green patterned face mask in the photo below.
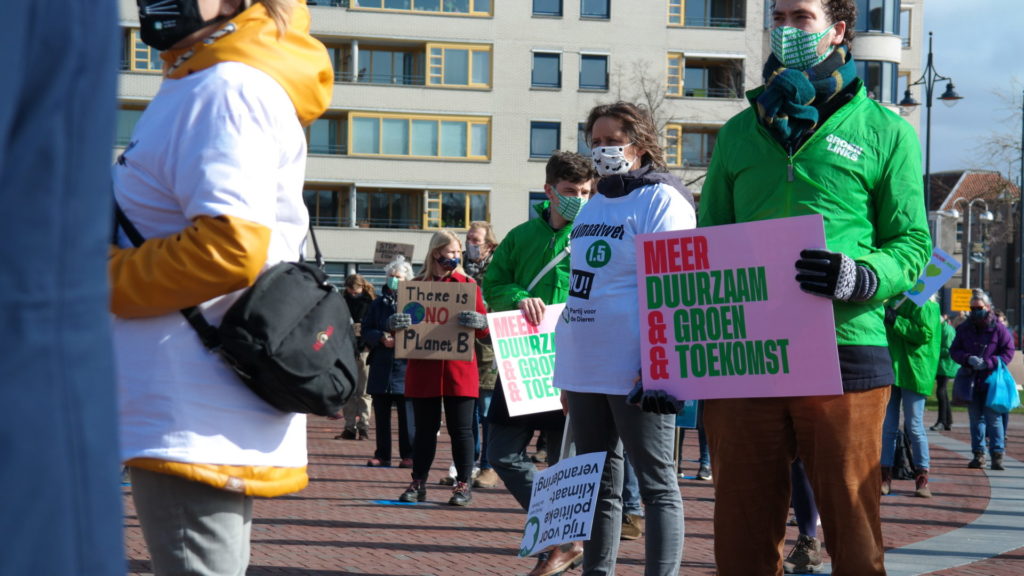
(798, 49)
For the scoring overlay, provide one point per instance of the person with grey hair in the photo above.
(386, 383)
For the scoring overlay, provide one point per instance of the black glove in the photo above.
(977, 363)
(399, 321)
(472, 319)
(835, 275)
(890, 316)
(656, 401)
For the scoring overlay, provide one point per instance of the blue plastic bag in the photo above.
(1002, 390)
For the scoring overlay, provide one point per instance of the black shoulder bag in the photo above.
(288, 336)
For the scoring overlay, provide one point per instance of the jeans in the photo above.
(942, 394)
(802, 498)
(605, 423)
(753, 444)
(702, 439)
(458, 411)
(507, 446)
(913, 423)
(483, 404)
(630, 489)
(382, 408)
(192, 528)
(985, 422)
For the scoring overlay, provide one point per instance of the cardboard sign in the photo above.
(435, 333)
(525, 355)
(960, 299)
(939, 270)
(721, 315)
(384, 252)
(562, 503)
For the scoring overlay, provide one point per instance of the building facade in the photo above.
(445, 111)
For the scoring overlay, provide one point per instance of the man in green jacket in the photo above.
(529, 270)
(914, 343)
(812, 142)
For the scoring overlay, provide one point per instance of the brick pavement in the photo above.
(346, 523)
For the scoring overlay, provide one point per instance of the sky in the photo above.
(980, 45)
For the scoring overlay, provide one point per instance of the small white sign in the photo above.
(562, 503)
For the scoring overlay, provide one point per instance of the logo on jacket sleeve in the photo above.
(322, 337)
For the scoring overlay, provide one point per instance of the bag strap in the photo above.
(207, 333)
(547, 267)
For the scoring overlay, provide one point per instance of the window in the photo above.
(137, 56)
(905, 19)
(595, 9)
(327, 136)
(880, 79)
(389, 208)
(581, 140)
(441, 137)
(712, 77)
(459, 65)
(452, 7)
(674, 75)
(547, 70)
(707, 13)
(327, 207)
(126, 119)
(544, 138)
(390, 66)
(593, 72)
(454, 209)
(878, 16)
(547, 7)
(689, 146)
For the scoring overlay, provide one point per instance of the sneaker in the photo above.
(632, 526)
(487, 478)
(704, 472)
(997, 461)
(921, 489)
(346, 434)
(405, 463)
(378, 463)
(805, 557)
(449, 480)
(416, 492)
(461, 496)
(979, 461)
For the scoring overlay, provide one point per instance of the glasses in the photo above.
(977, 308)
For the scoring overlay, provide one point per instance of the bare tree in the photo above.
(1002, 148)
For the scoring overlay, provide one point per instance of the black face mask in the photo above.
(164, 23)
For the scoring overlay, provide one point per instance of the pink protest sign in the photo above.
(525, 356)
(721, 315)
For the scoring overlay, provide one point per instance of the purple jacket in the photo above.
(993, 341)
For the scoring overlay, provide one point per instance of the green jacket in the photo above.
(947, 366)
(914, 342)
(521, 255)
(861, 170)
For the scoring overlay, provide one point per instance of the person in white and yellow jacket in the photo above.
(212, 178)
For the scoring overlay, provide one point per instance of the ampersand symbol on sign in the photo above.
(656, 332)
(659, 365)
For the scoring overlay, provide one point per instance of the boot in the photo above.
(416, 492)
(886, 480)
(979, 461)
(921, 489)
(997, 461)
(461, 495)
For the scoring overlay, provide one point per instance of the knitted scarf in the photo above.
(787, 105)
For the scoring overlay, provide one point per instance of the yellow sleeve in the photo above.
(214, 256)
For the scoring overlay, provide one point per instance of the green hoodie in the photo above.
(914, 342)
(861, 170)
(521, 255)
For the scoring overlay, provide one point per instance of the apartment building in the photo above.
(445, 111)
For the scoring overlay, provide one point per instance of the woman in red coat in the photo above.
(453, 384)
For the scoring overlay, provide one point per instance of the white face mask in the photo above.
(611, 159)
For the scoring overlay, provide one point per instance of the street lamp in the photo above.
(950, 96)
(984, 216)
(1020, 226)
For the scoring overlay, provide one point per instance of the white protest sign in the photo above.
(562, 503)
(525, 356)
(938, 271)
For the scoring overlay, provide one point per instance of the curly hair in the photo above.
(568, 166)
(638, 124)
